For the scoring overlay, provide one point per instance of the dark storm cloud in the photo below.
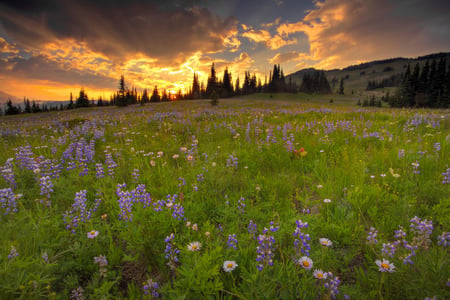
(163, 29)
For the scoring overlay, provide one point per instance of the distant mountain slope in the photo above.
(356, 77)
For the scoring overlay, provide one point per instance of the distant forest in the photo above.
(428, 86)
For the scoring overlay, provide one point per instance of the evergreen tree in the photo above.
(237, 88)
(195, 92)
(71, 105)
(11, 109)
(341, 87)
(155, 95)
(433, 88)
(26, 105)
(145, 98)
(212, 82)
(122, 93)
(165, 97)
(82, 100)
(227, 85)
(100, 101)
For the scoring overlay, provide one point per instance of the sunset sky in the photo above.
(50, 48)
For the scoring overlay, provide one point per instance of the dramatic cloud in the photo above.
(55, 47)
(280, 58)
(264, 36)
(117, 30)
(346, 32)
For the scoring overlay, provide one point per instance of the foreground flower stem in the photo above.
(380, 289)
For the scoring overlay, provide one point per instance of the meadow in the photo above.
(255, 198)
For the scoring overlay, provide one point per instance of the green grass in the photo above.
(234, 164)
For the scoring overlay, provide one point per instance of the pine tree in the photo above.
(212, 82)
(227, 85)
(122, 93)
(165, 97)
(11, 109)
(144, 98)
(195, 92)
(341, 87)
(237, 88)
(155, 95)
(26, 105)
(71, 104)
(82, 100)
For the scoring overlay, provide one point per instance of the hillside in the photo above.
(356, 77)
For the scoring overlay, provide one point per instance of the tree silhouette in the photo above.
(82, 100)
(212, 84)
(122, 93)
(341, 87)
(155, 95)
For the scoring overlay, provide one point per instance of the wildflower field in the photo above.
(250, 199)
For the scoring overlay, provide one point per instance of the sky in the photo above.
(50, 48)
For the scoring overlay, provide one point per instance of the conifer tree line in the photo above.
(394, 80)
(428, 86)
(216, 86)
(223, 86)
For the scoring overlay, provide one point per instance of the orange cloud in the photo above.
(271, 42)
(280, 58)
(231, 40)
(341, 33)
(6, 48)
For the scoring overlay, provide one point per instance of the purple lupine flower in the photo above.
(446, 176)
(13, 253)
(45, 257)
(400, 233)
(8, 201)
(125, 203)
(332, 285)
(416, 166)
(372, 236)
(151, 287)
(135, 175)
(77, 294)
(200, 177)
(444, 239)
(232, 241)
(388, 249)
(171, 252)
(110, 163)
(264, 251)
(181, 182)
(301, 244)
(46, 186)
(252, 229)
(79, 212)
(422, 231)
(25, 158)
(99, 171)
(401, 153)
(141, 195)
(7, 173)
(241, 205)
(232, 161)
(102, 263)
(437, 147)
(273, 227)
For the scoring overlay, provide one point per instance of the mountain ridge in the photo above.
(356, 77)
